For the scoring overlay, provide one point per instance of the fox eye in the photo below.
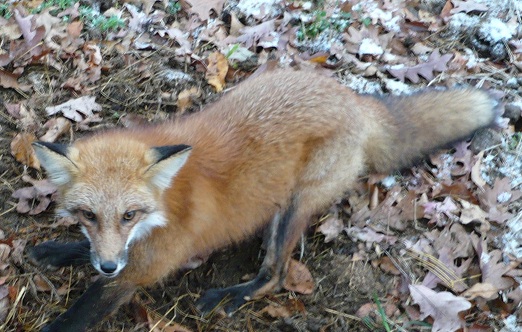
(89, 215)
(129, 215)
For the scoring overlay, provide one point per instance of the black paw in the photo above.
(44, 255)
(229, 299)
(52, 255)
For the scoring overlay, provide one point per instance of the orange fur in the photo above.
(282, 137)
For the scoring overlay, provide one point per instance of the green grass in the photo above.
(100, 22)
(174, 7)
(59, 4)
(321, 22)
(4, 11)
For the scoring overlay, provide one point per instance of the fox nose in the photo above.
(108, 267)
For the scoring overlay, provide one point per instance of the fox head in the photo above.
(114, 189)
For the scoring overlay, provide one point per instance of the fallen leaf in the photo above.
(8, 80)
(471, 212)
(217, 70)
(202, 8)
(74, 29)
(78, 109)
(299, 279)
(5, 252)
(17, 256)
(331, 228)
(443, 307)
(186, 97)
(386, 264)
(289, 308)
(22, 150)
(484, 290)
(4, 302)
(476, 175)
(251, 35)
(32, 35)
(41, 284)
(35, 199)
(435, 63)
(367, 234)
(467, 6)
(55, 128)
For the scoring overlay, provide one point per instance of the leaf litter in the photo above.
(446, 236)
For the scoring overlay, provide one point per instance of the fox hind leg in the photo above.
(52, 254)
(283, 234)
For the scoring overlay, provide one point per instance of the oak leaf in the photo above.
(78, 109)
(217, 70)
(299, 279)
(203, 7)
(443, 307)
(436, 63)
(22, 150)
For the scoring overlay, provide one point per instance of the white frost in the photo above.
(368, 46)
(494, 31)
(258, 8)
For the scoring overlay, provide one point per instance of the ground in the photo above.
(449, 228)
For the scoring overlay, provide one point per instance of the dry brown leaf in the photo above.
(22, 150)
(217, 70)
(331, 228)
(435, 63)
(386, 264)
(299, 279)
(484, 290)
(471, 212)
(26, 117)
(186, 97)
(5, 251)
(260, 33)
(443, 307)
(35, 199)
(41, 284)
(290, 308)
(74, 29)
(32, 35)
(79, 109)
(17, 255)
(55, 128)
(4, 302)
(203, 7)
(468, 6)
(8, 80)
(476, 175)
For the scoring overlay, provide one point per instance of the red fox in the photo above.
(276, 150)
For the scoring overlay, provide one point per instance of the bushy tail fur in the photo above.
(416, 125)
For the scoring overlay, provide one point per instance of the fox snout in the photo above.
(109, 267)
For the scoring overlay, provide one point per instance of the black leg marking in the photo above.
(53, 254)
(272, 270)
(101, 299)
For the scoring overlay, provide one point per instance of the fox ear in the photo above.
(53, 157)
(168, 162)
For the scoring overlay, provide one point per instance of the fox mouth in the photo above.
(109, 275)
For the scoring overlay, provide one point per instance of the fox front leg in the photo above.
(101, 299)
(52, 254)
